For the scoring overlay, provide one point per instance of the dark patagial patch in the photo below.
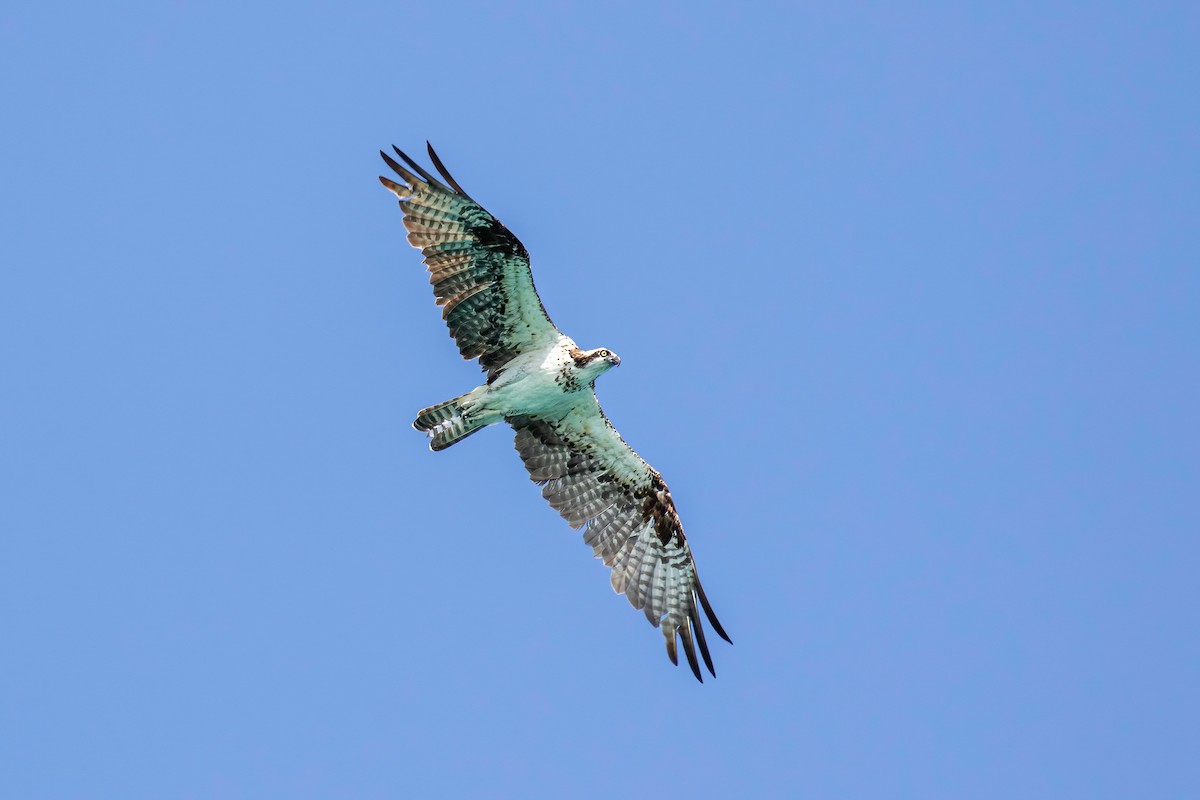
(657, 504)
(490, 233)
(479, 271)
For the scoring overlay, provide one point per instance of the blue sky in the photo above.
(907, 303)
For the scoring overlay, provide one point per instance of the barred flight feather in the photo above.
(480, 276)
(622, 521)
(451, 228)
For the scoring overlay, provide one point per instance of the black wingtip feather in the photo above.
(709, 613)
(699, 629)
(432, 181)
(437, 162)
(399, 170)
(689, 648)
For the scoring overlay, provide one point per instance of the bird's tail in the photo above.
(447, 423)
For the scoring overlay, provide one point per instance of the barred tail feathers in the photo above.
(429, 418)
(447, 423)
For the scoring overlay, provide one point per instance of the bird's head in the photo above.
(594, 363)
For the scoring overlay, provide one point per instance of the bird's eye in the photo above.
(604, 354)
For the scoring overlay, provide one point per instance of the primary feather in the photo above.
(542, 384)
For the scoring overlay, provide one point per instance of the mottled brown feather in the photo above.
(468, 251)
(480, 275)
(595, 481)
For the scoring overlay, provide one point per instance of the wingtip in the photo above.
(698, 628)
(708, 612)
(689, 649)
(399, 170)
(445, 173)
(424, 173)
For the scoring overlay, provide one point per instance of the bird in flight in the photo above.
(543, 385)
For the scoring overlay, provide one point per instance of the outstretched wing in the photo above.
(598, 483)
(479, 270)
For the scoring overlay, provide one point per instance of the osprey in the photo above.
(543, 385)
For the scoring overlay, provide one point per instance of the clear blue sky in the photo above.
(908, 301)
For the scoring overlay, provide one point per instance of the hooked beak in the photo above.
(615, 360)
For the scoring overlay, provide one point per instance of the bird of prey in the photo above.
(543, 385)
